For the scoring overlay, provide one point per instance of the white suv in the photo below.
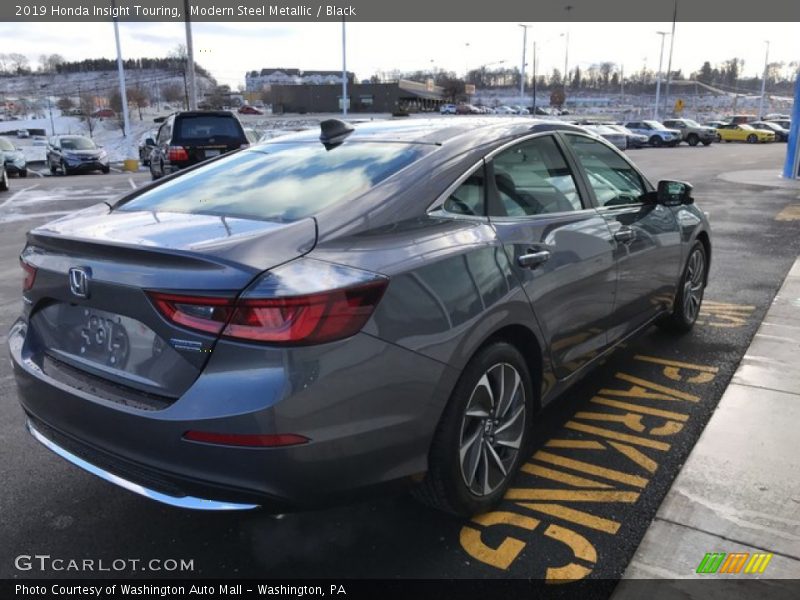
(447, 109)
(657, 134)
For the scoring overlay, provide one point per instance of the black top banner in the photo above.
(402, 10)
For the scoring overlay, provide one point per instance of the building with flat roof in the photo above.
(403, 95)
(257, 81)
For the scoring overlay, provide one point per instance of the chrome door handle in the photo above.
(625, 235)
(534, 259)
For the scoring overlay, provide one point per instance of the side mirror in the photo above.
(674, 192)
(149, 142)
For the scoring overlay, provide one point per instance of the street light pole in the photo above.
(663, 34)
(533, 80)
(669, 61)
(123, 94)
(190, 59)
(344, 69)
(764, 82)
(566, 59)
(522, 66)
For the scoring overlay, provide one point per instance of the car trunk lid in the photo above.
(90, 307)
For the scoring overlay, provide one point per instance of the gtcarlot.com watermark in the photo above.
(45, 563)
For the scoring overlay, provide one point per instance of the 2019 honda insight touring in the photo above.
(302, 320)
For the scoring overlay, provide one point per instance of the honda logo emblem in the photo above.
(79, 281)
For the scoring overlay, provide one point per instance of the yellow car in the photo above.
(743, 132)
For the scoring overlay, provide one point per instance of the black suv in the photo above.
(187, 138)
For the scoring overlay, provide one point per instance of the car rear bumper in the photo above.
(369, 409)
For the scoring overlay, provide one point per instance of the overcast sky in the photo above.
(228, 50)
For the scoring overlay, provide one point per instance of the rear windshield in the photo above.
(5, 144)
(206, 126)
(280, 182)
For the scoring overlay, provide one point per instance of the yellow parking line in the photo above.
(630, 420)
(574, 516)
(645, 410)
(790, 213)
(675, 363)
(579, 465)
(572, 495)
(575, 444)
(639, 458)
(659, 388)
(562, 477)
(622, 437)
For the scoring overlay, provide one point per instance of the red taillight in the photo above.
(311, 319)
(30, 275)
(176, 153)
(292, 320)
(246, 439)
(204, 313)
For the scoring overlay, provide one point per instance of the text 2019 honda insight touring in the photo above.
(296, 322)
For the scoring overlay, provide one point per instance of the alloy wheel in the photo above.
(492, 429)
(693, 285)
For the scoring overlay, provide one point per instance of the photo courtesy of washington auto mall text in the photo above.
(399, 299)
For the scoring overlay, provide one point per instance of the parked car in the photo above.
(505, 110)
(657, 134)
(75, 154)
(447, 109)
(13, 158)
(303, 320)
(745, 133)
(3, 179)
(147, 142)
(189, 137)
(781, 134)
(23, 133)
(632, 140)
(776, 117)
(104, 113)
(467, 109)
(520, 110)
(618, 139)
(785, 123)
(249, 110)
(251, 135)
(692, 132)
(738, 119)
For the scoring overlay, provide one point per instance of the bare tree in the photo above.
(18, 62)
(65, 103)
(172, 92)
(87, 111)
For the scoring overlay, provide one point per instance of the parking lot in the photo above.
(605, 454)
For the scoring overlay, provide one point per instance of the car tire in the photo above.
(692, 140)
(23, 173)
(656, 141)
(752, 138)
(4, 182)
(470, 466)
(106, 170)
(689, 297)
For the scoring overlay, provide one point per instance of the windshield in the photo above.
(655, 125)
(77, 143)
(280, 182)
(692, 123)
(746, 127)
(6, 145)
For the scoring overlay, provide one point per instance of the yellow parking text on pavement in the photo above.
(568, 484)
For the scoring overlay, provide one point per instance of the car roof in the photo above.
(437, 131)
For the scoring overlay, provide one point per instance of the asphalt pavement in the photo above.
(606, 456)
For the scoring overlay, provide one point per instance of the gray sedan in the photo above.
(299, 321)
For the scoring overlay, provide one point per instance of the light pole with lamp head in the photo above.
(522, 66)
(663, 35)
(764, 82)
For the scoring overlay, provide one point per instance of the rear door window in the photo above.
(207, 126)
(280, 181)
